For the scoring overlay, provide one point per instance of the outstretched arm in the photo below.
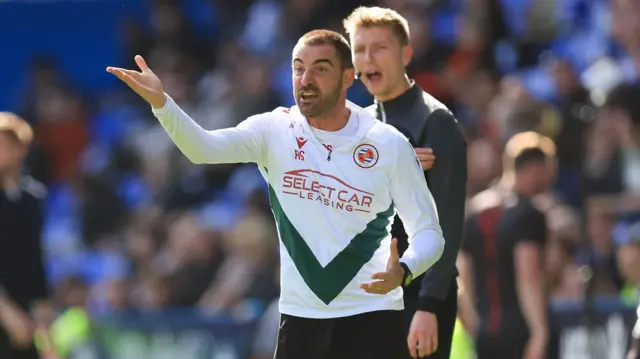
(244, 143)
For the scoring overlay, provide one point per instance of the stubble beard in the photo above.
(325, 104)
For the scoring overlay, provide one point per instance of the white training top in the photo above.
(333, 203)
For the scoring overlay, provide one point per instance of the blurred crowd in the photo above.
(131, 224)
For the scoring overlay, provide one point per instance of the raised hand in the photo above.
(387, 281)
(144, 82)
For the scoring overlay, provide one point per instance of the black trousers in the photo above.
(490, 347)
(374, 335)
(446, 315)
(9, 352)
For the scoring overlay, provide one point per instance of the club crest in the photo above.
(365, 156)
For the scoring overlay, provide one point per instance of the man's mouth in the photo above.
(373, 76)
(308, 95)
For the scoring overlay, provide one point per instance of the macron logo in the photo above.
(301, 141)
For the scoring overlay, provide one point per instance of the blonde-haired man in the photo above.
(381, 49)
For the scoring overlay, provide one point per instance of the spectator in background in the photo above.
(613, 154)
(61, 130)
(23, 286)
(503, 251)
(628, 252)
(192, 259)
(247, 268)
(600, 251)
(565, 238)
(266, 337)
(569, 132)
(483, 166)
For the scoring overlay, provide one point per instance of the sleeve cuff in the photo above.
(410, 262)
(429, 304)
(165, 108)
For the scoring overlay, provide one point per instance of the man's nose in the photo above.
(307, 78)
(368, 55)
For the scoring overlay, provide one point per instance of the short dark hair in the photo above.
(523, 141)
(328, 37)
(529, 156)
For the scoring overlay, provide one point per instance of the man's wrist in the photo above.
(407, 276)
(429, 304)
(541, 336)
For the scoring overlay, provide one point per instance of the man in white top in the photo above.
(336, 179)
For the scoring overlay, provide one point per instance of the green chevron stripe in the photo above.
(327, 282)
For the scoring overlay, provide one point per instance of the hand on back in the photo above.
(426, 157)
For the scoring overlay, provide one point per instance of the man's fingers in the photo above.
(426, 157)
(131, 73)
(428, 344)
(434, 339)
(381, 276)
(412, 344)
(423, 150)
(394, 250)
(426, 165)
(142, 64)
(425, 346)
(379, 287)
(122, 75)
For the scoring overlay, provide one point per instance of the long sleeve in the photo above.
(35, 274)
(417, 210)
(39, 285)
(447, 181)
(241, 144)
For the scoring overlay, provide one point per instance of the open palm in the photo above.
(144, 82)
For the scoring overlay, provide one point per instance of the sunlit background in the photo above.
(149, 256)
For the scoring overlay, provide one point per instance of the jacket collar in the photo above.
(402, 102)
(359, 114)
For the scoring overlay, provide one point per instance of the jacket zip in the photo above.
(383, 113)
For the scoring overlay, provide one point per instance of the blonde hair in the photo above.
(525, 141)
(17, 127)
(375, 16)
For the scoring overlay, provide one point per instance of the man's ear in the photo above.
(348, 77)
(407, 54)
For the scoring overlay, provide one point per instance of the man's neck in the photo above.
(333, 121)
(397, 90)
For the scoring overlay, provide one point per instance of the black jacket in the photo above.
(22, 273)
(428, 123)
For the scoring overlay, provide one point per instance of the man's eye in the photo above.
(321, 69)
(298, 70)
